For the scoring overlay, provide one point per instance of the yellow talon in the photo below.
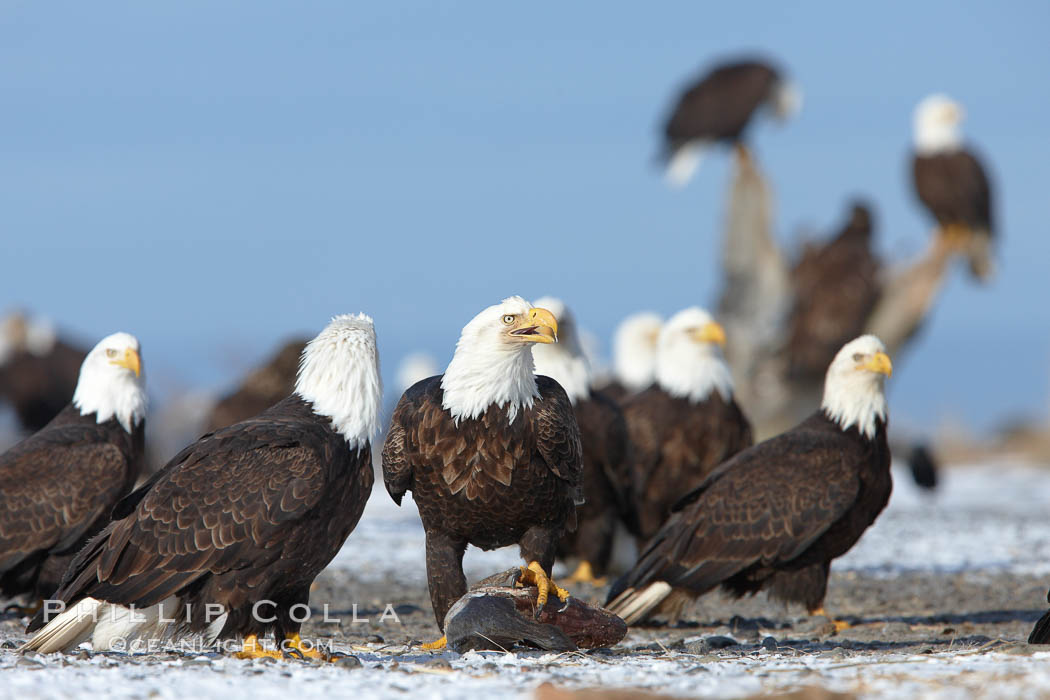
(840, 625)
(435, 646)
(533, 574)
(253, 649)
(585, 574)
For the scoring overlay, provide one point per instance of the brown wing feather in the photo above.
(955, 188)
(558, 434)
(763, 507)
(721, 104)
(54, 492)
(218, 508)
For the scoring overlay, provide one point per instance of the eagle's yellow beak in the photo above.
(538, 326)
(879, 363)
(711, 333)
(130, 360)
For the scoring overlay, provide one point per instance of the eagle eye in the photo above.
(858, 356)
(110, 352)
(508, 319)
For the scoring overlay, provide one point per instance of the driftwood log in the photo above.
(497, 615)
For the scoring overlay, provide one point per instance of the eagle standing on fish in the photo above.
(247, 515)
(491, 453)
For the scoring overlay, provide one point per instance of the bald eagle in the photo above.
(777, 514)
(38, 370)
(61, 483)
(262, 388)
(718, 108)
(836, 286)
(490, 452)
(634, 355)
(248, 514)
(951, 183)
(687, 423)
(603, 436)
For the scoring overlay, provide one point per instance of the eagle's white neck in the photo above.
(935, 137)
(483, 373)
(854, 399)
(110, 393)
(573, 372)
(339, 377)
(691, 371)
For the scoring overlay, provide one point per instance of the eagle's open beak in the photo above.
(131, 361)
(539, 326)
(879, 363)
(711, 333)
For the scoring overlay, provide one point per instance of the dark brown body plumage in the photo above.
(60, 485)
(674, 446)
(955, 189)
(603, 436)
(265, 386)
(38, 387)
(486, 481)
(775, 515)
(836, 286)
(720, 105)
(251, 512)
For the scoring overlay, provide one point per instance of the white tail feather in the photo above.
(633, 605)
(67, 630)
(105, 625)
(683, 163)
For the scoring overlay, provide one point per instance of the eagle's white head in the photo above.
(493, 359)
(938, 125)
(112, 383)
(689, 362)
(18, 334)
(785, 100)
(565, 361)
(634, 350)
(854, 387)
(339, 376)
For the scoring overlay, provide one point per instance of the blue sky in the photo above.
(214, 176)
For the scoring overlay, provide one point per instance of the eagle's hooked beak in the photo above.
(711, 333)
(880, 364)
(130, 360)
(538, 326)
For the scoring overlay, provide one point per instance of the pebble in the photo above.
(349, 662)
(770, 644)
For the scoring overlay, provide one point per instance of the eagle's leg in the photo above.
(444, 575)
(956, 237)
(539, 547)
(743, 155)
(585, 574)
(593, 544)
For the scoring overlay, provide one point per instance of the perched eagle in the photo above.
(603, 436)
(1041, 632)
(777, 514)
(490, 452)
(835, 286)
(718, 108)
(248, 514)
(687, 423)
(951, 183)
(61, 483)
(262, 388)
(634, 355)
(38, 370)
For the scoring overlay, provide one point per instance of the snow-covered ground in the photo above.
(983, 519)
